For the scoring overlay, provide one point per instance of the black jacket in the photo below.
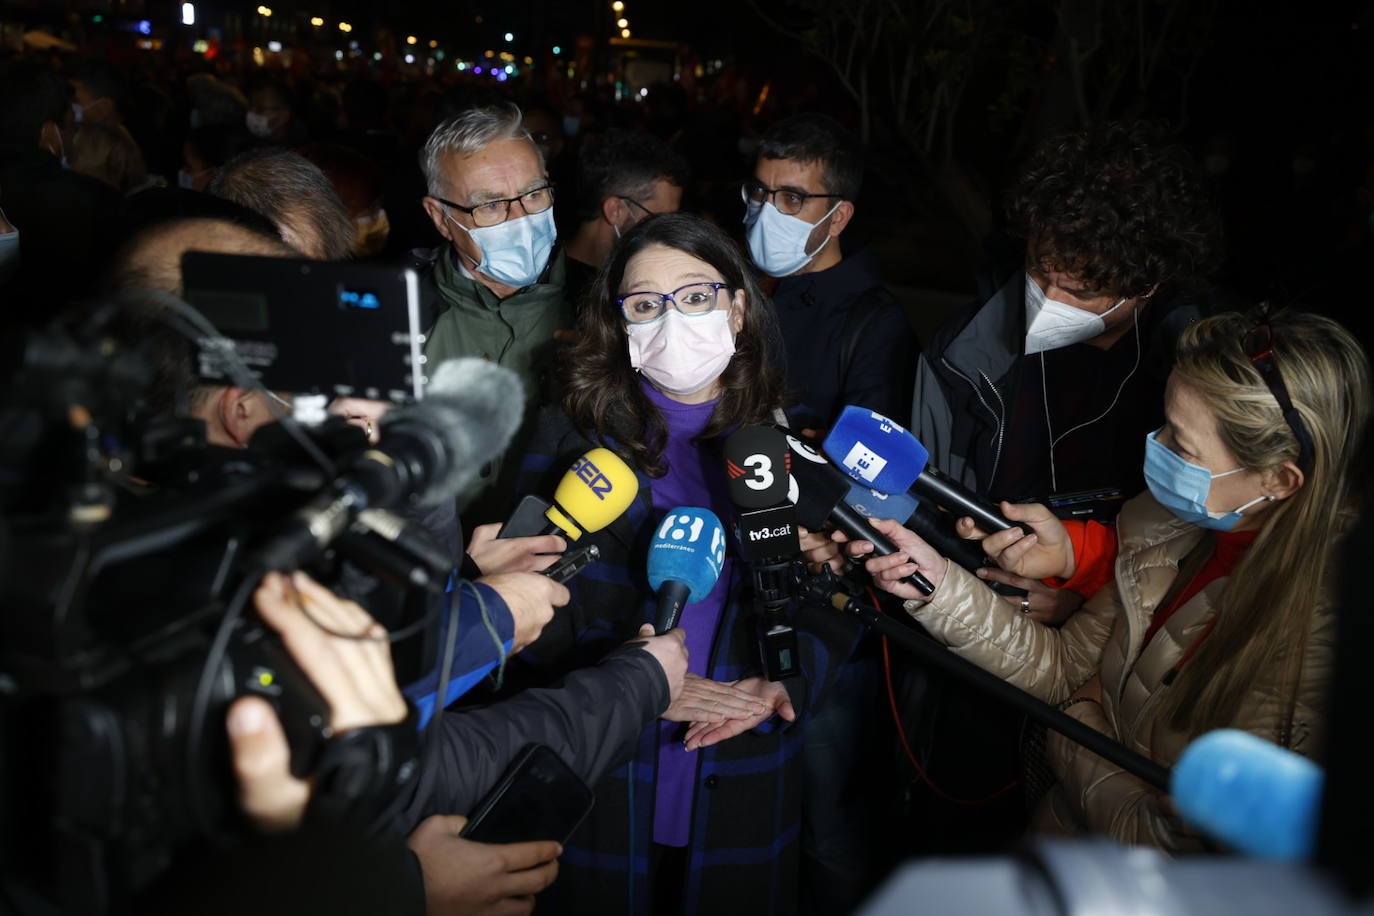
(591, 720)
(747, 807)
(967, 387)
(69, 224)
(846, 308)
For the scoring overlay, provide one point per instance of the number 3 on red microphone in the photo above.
(762, 466)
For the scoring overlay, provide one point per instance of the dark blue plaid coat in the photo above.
(746, 815)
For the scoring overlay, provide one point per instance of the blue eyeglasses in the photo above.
(693, 299)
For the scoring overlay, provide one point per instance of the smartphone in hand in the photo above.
(539, 797)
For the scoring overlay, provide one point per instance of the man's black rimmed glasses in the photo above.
(788, 200)
(1259, 347)
(492, 212)
(630, 200)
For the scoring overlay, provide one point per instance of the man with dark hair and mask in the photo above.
(496, 289)
(1045, 391)
(1049, 387)
(96, 93)
(622, 178)
(848, 342)
(847, 338)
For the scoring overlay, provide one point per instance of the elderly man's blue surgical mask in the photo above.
(514, 252)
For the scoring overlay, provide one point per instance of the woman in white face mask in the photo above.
(676, 352)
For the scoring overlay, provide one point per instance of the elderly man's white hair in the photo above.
(468, 134)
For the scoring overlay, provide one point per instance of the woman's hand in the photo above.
(819, 551)
(1047, 605)
(913, 555)
(1045, 553)
(706, 701)
(772, 698)
(1091, 689)
(354, 676)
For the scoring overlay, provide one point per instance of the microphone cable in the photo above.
(906, 745)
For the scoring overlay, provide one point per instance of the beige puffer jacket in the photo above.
(1106, 636)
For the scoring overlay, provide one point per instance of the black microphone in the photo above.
(758, 467)
(429, 451)
(757, 463)
(819, 490)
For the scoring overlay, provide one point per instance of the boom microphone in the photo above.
(595, 491)
(884, 455)
(818, 490)
(429, 451)
(685, 560)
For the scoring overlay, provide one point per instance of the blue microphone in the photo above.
(873, 503)
(1255, 796)
(875, 451)
(880, 453)
(685, 559)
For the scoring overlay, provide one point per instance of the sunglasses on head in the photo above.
(1259, 347)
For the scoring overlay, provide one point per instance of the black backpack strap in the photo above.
(856, 322)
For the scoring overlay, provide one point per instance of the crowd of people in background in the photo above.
(660, 274)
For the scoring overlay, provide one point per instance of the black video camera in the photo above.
(129, 550)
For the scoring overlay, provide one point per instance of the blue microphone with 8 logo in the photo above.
(685, 559)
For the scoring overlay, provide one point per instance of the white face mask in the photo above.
(682, 354)
(1051, 324)
(258, 125)
(516, 251)
(777, 242)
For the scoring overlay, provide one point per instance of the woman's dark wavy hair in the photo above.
(603, 395)
(1119, 207)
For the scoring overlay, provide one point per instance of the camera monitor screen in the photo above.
(311, 327)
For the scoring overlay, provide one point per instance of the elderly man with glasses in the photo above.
(847, 338)
(496, 289)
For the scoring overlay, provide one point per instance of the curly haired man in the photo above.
(1049, 387)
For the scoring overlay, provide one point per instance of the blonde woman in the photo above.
(1213, 612)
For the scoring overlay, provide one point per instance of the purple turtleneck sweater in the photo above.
(695, 478)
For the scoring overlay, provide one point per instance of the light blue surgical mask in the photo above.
(777, 242)
(1182, 487)
(514, 252)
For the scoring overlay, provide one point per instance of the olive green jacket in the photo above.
(516, 332)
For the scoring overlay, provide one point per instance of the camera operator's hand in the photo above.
(495, 555)
(354, 676)
(463, 878)
(363, 413)
(670, 650)
(531, 599)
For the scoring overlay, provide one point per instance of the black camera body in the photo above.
(127, 627)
